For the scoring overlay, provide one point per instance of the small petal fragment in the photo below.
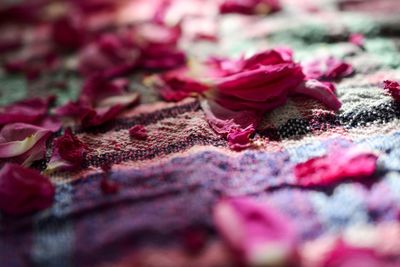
(24, 190)
(327, 68)
(249, 7)
(393, 88)
(138, 132)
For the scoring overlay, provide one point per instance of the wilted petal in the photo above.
(322, 91)
(24, 190)
(336, 166)
(257, 233)
(343, 255)
(138, 132)
(23, 143)
(393, 88)
(327, 68)
(249, 7)
(28, 111)
(68, 152)
(239, 139)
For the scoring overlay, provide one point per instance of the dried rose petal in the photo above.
(322, 91)
(249, 7)
(24, 190)
(138, 132)
(394, 89)
(327, 68)
(239, 139)
(23, 143)
(68, 152)
(108, 186)
(177, 85)
(357, 39)
(343, 255)
(29, 111)
(69, 32)
(258, 234)
(336, 166)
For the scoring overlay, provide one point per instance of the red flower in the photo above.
(394, 89)
(23, 143)
(328, 68)
(68, 152)
(138, 132)
(249, 7)
(256, 233)
(24, 190)
(336, 166)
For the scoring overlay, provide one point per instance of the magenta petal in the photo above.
(328, 68)
(393, 88)
(338, 165)
(257, 234)
(68, 152)
(343, 255)
(239, 139)
(321, 91)
(27, 111)
(249, 7)
(223, 120)
(24, 190)
(23, 143)
(138, 132)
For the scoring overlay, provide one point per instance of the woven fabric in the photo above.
(171, 181)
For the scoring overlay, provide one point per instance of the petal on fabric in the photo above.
(68, 153)
(69, 32)
(343, 255)
(357, 39)
(327, 68)
(24, 190)
(138, 132)
(23, 143)
(321, 91)
(393, 88)
(27, 111)
(257, 234)
(239, 139)
(223, 120)
(249, 7)
(336, 166)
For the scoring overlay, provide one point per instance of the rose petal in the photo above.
(239, 139)
(138, 132)
(357, 39)
(68, 152)
(327, 68)
(257, 233)
(394, 89)
(23, 143)
(24, 190)
(322, 91)
(249, 7)
(336, 166)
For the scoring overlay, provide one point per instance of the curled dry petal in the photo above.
(23, 143)
(336, 166)
(239, 139)
(68, 152)
(256, 232)
(322, 91)
(327, 68)
(249, 7)
(393, 88)
(29, 111)
(343, 255)
(138, 132)
(24, 190)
